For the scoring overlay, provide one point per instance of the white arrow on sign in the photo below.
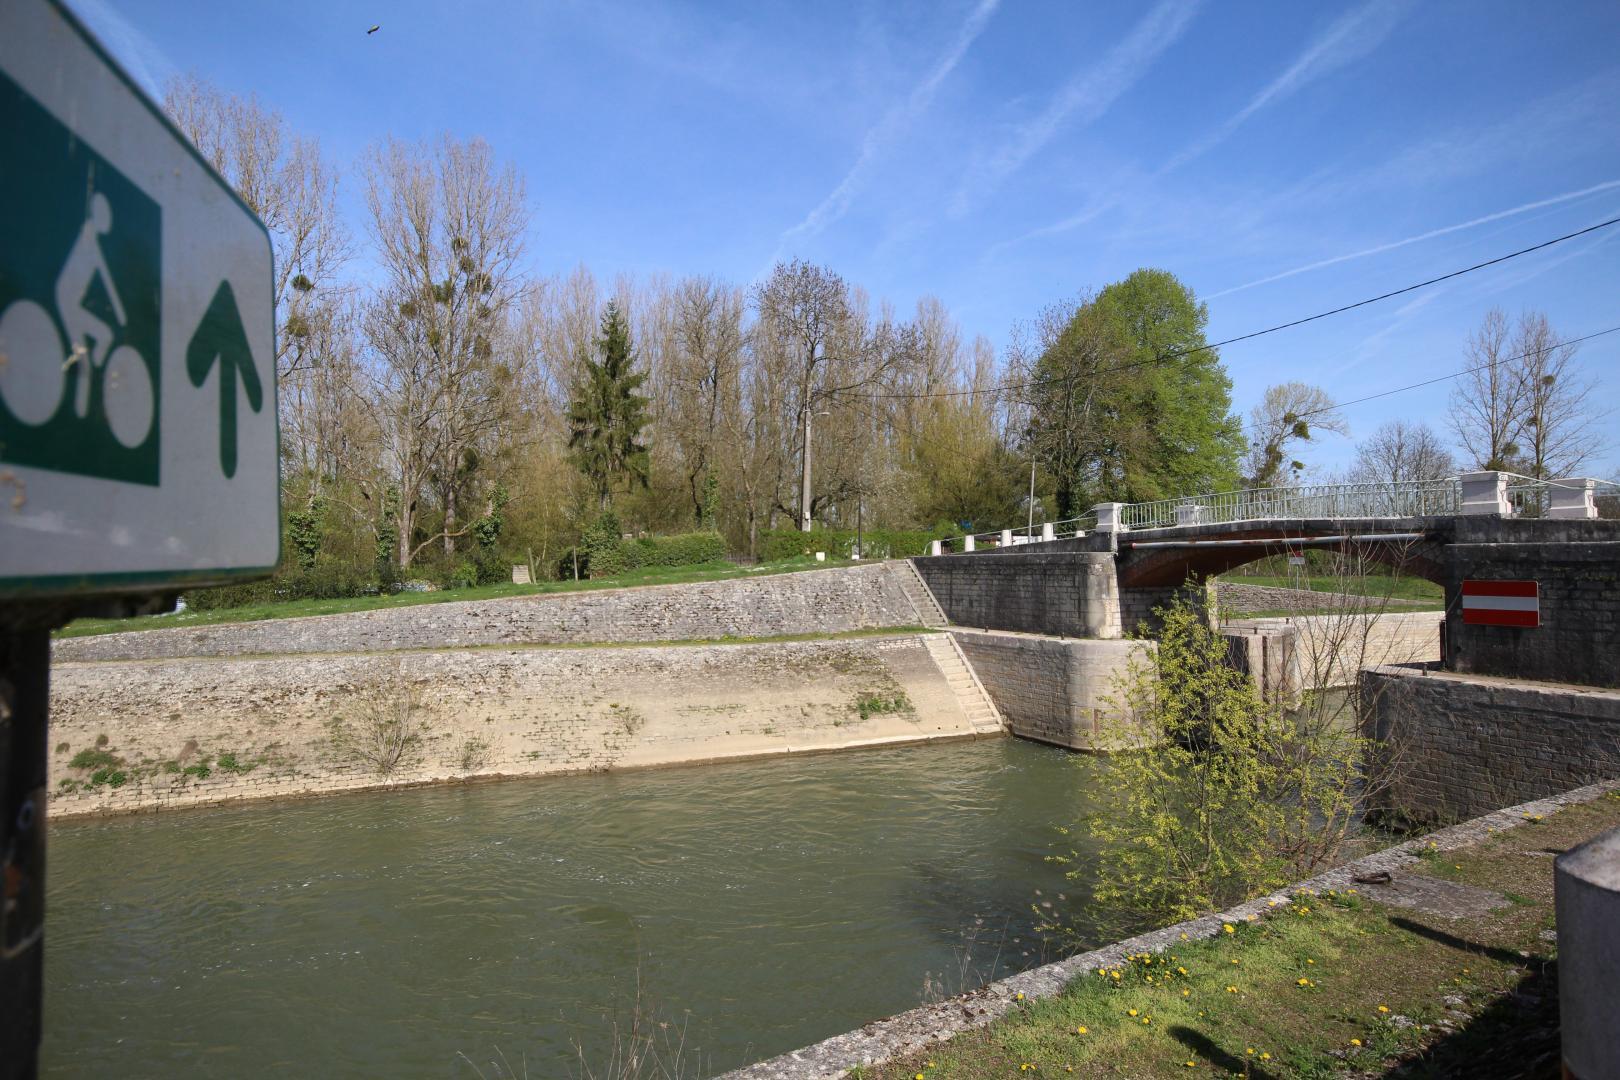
(138, 439)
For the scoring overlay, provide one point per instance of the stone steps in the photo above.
(929, 613)
(982, 714)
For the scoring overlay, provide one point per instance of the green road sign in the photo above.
(137, 388)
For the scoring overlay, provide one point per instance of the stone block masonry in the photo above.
(807, 602)
(200, 731)
(1073, 595)
(1054, 690)
(1463, 744)
(1320, 652)
(1576, 565)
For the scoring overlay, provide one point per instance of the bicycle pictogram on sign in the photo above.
(80, 305)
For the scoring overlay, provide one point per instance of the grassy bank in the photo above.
(293, 609)
(1331, 985)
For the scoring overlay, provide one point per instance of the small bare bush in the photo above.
(382, 730)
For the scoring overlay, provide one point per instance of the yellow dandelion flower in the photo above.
(1186, 993)
(1383, 1008)
(1183, 970)
(1265, 1057)
(1237, 963)
(1229, 928)
(920, 1076)
(1081, 1030)
(1130, 1012)
(1115, 974)
(1184, 937)
(1251, 1049)
(1231, 989)
(1302, 982)
(1018, 996)
(1147, 1019)
(1355, 1042)
(1191, 1064)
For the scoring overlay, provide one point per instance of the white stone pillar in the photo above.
(1079, 534)
(1006, 538)
(1485, 493)
(1572, 498)
(935, 547)
(1586, 888)
(1108, 515)
(967, 543)
(1047, 532)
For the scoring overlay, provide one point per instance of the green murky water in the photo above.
(762, 906)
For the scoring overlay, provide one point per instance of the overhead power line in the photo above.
(1455, 374)
(1174, 354)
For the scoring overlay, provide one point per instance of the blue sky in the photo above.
(1280, 158)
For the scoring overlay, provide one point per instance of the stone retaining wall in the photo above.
(1235, 596)
(1318, 652)
(1461, 744)
(1054, 690)
(480, 712)
(805, 602)
(1075, 595)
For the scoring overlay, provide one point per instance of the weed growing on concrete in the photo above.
(474, 755)
(94, 759)
(868, 704)
(383, 730)
(228, 761)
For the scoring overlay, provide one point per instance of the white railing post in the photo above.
(1048, 532)
(1108, 517)
(1006, 538)
(1485, 493)
(936, 547)
(1572, 498)
(1189, 514)
(967, 543)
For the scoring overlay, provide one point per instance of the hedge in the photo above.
(683, 549)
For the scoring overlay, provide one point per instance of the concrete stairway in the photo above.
(970, 693)
(929, 613)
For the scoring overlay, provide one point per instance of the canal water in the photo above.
(759, 906)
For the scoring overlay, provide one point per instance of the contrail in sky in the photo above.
(1567, 196)
(894, 121)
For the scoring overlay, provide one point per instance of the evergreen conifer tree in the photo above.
(607, 415)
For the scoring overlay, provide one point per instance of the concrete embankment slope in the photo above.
(199, 731)
(176, 717)
(807, 602)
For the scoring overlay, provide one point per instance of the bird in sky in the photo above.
(374, 29)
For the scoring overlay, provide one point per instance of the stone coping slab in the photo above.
(910, 1032)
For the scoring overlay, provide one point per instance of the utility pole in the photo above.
(804, 476)
(1030, 530)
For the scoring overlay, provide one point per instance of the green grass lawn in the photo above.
(1396, 588)
(1331, 985)
(291, 609)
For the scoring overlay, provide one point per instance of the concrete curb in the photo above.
(910, 1032)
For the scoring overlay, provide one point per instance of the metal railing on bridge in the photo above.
(1524, 496)
(1379, 500)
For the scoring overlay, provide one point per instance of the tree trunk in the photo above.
(449, 521)
(805, 506)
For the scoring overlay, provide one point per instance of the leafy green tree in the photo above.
(1230, 795)
(1128, 404)
(607, 415)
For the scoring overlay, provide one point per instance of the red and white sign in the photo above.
(1501, 603)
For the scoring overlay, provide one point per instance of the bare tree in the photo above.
(448, 225)
(1558, 433)
(800, 308)
(282, 178)
(1487, 404)
(1289, 413)
(1400, 452)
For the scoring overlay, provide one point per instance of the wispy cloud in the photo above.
(1351, 37)
(1348, 39)
(147, 64)
(1082, 99)
(893, 124)
(1568, 196)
